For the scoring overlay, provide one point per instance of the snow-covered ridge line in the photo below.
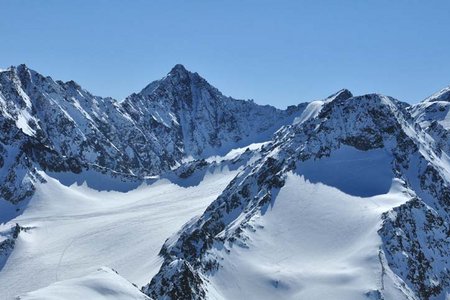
(346, 197)
(442, 95)
(401, 162)
(60, 127)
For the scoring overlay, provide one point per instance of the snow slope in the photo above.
(314, 242)
(101, 285)
(76, 229)
(349, 199)
(351, 202)
(313, 108)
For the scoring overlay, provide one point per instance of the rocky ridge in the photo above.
(415, 235)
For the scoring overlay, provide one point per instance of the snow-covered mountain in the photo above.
(58, 126)
(194, 119)
(350, 202)
(70, 228)
(190, 194)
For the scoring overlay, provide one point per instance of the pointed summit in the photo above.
(22, 67)
(341, 95)
(24, 74)
(178, 76)
(178, 69)
(73, 84)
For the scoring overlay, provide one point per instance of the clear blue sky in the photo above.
(275, 52)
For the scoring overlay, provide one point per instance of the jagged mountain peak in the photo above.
(372, 132)
(372, 100)
(442, 95)
(434, 110)
(178, 79)
(21, 69)
(150, 132)
(342, 94)
(205, 119)
(363, 122)
(177, 69)
(26, 73)
(73, 84)
(314, 108)
(180, 75)
(29, 79)
(24, 67)
(20, 72)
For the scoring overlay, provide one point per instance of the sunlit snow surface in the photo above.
(318, 239)
(316, 242)
(76, 230)
(104, 284)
